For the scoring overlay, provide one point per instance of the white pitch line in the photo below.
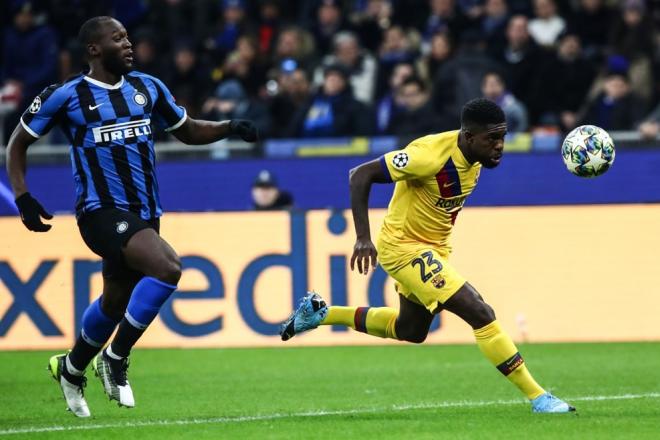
(275, 416)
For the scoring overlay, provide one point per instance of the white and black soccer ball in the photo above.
(400, 160)
(588, 151)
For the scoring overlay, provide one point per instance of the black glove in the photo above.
(30, 210)
(244, 128)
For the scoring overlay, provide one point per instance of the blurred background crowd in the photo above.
(322, 68)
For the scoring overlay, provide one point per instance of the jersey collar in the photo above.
(104, 85)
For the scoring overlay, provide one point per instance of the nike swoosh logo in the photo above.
(447, 185)
(94, 107)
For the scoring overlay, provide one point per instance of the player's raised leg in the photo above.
(500, 350)
(149, 254)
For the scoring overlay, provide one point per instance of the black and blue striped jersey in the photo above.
(110, 131)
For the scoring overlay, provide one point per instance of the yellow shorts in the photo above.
(423, 273)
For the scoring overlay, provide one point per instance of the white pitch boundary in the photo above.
(317, 413)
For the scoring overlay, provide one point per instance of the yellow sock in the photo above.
(500, 350)
(377, 321)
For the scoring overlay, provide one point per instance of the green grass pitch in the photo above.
(379, 392)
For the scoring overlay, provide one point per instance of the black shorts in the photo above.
(106, 232)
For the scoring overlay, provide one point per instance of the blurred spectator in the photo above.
(29, 60)
(493, 24)
(292, 94)
(494, 88)
(370, 24)
(296, 44)
(440, 53)
(267, 196)
(416, 115)
(592, 23)
(398, 46)
(231, 102)
(360, 64)
(329, 21)
(245, 65)
(175, 19)
(650, 127)
(546, 25)
(231, 25)
(523, 64)
(568, 78)
(459, 80)
(269, 25)
(333, 111)
(146, 54)
(616, 107)
(188, 79)
(445, 17)
(632, 36)
(387, 106)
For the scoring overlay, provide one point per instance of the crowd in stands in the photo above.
(321, 68)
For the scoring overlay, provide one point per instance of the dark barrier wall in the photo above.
(521, 179)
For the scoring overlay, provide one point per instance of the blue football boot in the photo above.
(547, 403)
(311, 310)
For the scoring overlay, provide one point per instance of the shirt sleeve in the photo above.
(414, 161)
(167, 113)
(45, 111)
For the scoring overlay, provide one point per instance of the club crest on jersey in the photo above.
(36, 105)
(400, 160)
(122, 131)
(140, 99)
(122, 227)
(438, 282)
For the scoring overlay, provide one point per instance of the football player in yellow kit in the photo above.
(434, 175)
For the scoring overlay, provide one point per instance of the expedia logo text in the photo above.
(122, 131)
(450, 204)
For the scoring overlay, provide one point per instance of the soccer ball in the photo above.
(588, 151)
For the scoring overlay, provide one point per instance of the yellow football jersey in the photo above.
(433, 179)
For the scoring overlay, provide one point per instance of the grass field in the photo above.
(345, 392)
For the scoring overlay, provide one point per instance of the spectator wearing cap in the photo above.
(29, 59)
(493, 87)
(616, 107)
(267, 196)
(416, 115)
(360, 65)
(547, 24)
(231, 102)
(333, 111)
(291, 95)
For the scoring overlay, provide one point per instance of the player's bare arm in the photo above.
(30, 209)
(361, 178)
(199, 132)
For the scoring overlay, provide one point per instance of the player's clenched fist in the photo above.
(31, 212)
(245, 129)
(364, 252)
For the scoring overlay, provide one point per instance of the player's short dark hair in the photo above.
(481, 112)
(90, 31)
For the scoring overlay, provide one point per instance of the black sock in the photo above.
(82, 354)
(126, 337)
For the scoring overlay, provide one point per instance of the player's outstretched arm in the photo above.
(30, 209)
(199, 132)
(360, 179)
